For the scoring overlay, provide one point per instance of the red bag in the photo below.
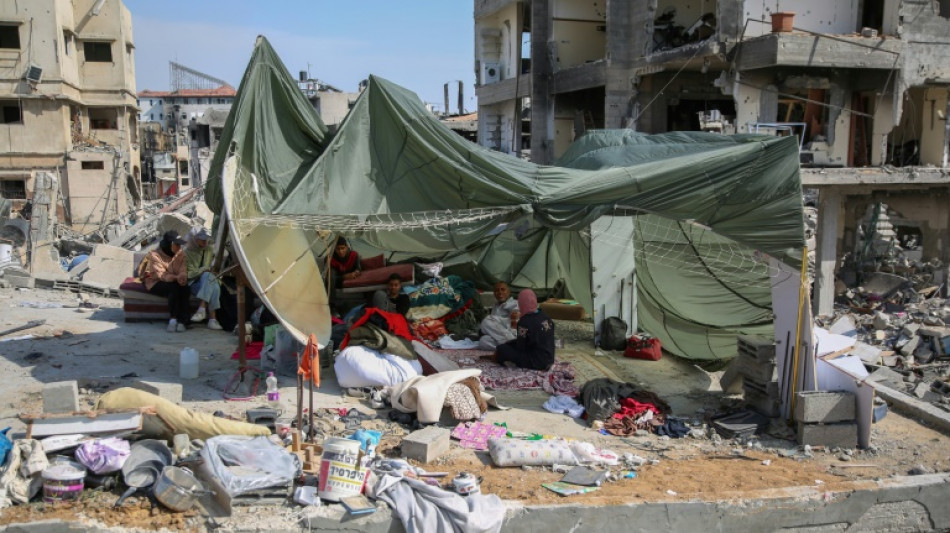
(640, 347)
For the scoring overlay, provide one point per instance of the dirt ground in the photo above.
(103, 352)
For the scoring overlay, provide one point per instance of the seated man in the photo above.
(345, 263)
(498, 326)
(203, 283)
(534, 346)
(392, 299)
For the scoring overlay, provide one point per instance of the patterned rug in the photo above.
(570, 371)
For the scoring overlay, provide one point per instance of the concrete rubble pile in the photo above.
(48, 254)
(893, 302)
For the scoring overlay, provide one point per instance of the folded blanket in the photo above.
(371, 336)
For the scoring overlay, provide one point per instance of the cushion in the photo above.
(133, 285)
(379, 276)
(372, 263)
(517, 452)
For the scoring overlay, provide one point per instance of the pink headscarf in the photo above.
(527, 302)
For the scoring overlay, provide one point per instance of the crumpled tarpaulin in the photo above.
(423, 508)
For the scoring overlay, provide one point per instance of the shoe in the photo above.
(199, 315)
(179, 327)
(172, 324)
(213, 324)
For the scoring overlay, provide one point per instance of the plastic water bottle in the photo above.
(273, 393)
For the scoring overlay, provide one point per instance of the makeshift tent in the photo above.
(394, 178)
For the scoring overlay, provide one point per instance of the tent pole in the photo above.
(798, 329)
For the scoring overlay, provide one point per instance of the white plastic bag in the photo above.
(245, 464)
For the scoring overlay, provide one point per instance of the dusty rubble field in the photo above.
(103, 352)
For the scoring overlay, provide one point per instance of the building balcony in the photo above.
(876, 177)
(801, 49)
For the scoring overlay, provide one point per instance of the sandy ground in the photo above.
(103, 352)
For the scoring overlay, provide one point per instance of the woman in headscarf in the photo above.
(534, 346)
(345, 262)
(201, 281)
(167, 276)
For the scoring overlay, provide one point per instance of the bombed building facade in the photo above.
(69, 122)
(863, 84)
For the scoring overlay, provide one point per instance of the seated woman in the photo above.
(534, 346)
(345, 263)
(392, 299)
(202, 282)
(167, 276)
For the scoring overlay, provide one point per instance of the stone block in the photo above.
(19, 278)
(757, 370)
(169, 391)
(61, 397)
(427, 444)
(840, 434)
(824, 406)
(731, 380)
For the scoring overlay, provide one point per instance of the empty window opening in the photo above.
(10, 36)
(13, 189)
(11, 112)
(67, 43)
(103, 119)
(93, 165)
(98, 51)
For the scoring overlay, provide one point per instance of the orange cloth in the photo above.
(310, 362)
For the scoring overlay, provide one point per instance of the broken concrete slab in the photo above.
(426, 445)
(174, 221)
(46, 262)
(61, 397)
(731, 380)
(867, 353)
(108, 266)
(883, 285)
(843, 326)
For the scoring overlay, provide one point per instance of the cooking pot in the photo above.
(178, 489)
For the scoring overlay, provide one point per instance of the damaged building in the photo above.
(862, 84)
(67, 91)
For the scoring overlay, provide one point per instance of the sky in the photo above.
(419, 44)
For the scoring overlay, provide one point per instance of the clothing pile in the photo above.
(625, 408)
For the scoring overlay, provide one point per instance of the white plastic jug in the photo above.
(188, 364)
(6, 253)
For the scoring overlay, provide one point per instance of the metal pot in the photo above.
(178, 489)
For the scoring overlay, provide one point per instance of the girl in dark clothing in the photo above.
(534, 346)
(167, 276)
(345, 263)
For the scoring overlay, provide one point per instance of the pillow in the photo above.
(517, 452)
(372, 263)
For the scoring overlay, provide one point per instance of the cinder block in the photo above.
(427, 444)
(750, 367)
(761, 348)
(61, 397)
(761, 403)
(824, 406)
(168, 391)
(839, 434)
(770, 389)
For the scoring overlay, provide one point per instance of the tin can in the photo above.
(465, 484)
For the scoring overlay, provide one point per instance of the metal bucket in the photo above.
(178, 489)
